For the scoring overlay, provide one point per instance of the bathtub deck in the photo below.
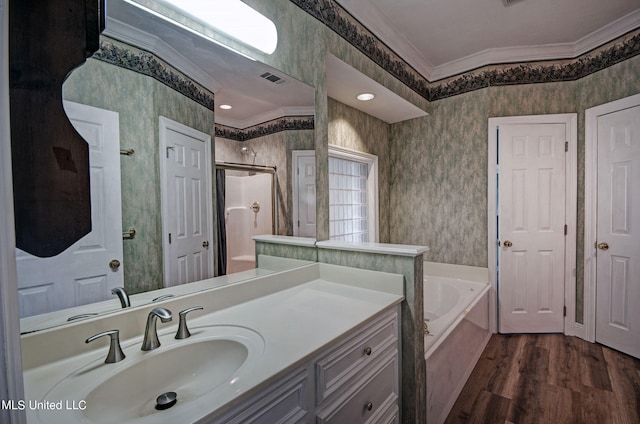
(549, 378)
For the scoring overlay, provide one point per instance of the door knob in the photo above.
(602, 246)
(205, 244)
(114, 264)
(507, 243)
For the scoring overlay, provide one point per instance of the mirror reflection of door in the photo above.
(304, 193)
(187, 212)
(81, 274)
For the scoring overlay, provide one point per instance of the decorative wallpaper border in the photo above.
(342, 23)
(286, 123)
(145, 63)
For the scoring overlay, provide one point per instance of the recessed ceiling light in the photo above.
(365, 96)
(226, 107)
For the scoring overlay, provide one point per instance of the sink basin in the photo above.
(213, 360)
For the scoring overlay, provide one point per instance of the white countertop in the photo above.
(382, 248)
(294, 320)
(295, 241)
(268, 265)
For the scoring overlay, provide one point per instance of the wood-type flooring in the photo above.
(550, 378)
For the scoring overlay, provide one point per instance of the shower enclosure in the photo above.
(246, 207)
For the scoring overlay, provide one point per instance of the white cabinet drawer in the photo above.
(284, 403)
(371, 401)
(350, 358)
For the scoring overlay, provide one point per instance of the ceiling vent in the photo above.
(510, 2)
(273, 78)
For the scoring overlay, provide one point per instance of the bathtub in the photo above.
(456, 312)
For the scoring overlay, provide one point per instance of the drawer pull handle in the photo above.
(369, 406)
(367, 351)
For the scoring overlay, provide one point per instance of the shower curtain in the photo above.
(221, 267)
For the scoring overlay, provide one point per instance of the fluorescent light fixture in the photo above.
(184, 27)
(365, 96)
(234, 19)
(225, 107)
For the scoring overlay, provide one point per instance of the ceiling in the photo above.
(440, 38)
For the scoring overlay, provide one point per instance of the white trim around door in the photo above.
(591, 204)
(571, 186)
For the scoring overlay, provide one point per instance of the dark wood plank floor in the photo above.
(550, 378)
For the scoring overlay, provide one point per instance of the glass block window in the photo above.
(348, 200)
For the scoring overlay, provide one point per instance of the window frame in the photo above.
(372, 185)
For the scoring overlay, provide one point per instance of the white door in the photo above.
(306, 196)
(81, 274)
(618, 231)
(304, 224)
(187, 203)
(531, 194)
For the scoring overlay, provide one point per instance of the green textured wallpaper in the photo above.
(439, 180)
(355, 130)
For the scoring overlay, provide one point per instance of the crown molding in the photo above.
(538, 53)
(376, 23)
(607, 33)
(135, 37)
(388, 34)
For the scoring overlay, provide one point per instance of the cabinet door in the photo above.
(348, 361)
(287, 402)
(369, 401)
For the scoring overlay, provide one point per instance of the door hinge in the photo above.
(169, 238)
(298, 224)
(564, 311)
(566, 229)
(566, 146)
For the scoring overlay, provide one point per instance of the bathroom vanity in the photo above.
(320, 343)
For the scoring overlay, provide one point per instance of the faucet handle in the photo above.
(183, 331)
(115, 351)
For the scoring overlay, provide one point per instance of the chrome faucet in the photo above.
(122, 295)
(115, 351)
(150, 333)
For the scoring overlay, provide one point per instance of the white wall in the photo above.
(11, 384)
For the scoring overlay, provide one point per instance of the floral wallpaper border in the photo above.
(285, 123)
(145, 63)
(341, 22)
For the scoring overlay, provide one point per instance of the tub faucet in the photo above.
(122, 295)
(150, 333)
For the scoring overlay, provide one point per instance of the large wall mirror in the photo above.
(147, 100)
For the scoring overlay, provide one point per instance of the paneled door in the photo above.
(88, 270)
(304, 196)
(531, 227)
(618, 231)
(187, 203)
